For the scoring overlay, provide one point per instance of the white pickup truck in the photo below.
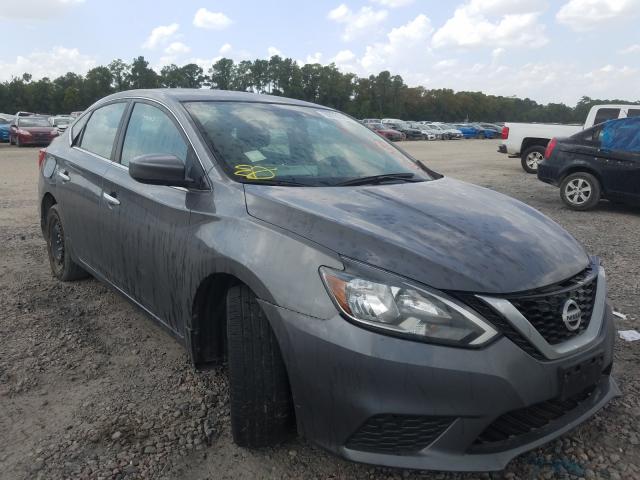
(528, 141)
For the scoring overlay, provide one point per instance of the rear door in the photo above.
(148, 224)
(80, 176)
(620, 154)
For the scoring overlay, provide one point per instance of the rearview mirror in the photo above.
(159, 169)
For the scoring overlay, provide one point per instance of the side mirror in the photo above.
(159, 169)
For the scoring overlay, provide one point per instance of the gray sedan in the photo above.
(389, 314)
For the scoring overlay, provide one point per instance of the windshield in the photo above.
(257, 142)
(33, 122)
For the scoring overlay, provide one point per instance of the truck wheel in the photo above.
(531, 157)
(580, 191)
(62, 265)
(261, 403)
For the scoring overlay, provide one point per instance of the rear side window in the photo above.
(633, 112)
(622, 135)
(605, 114)
(101, 129)
(151, 131)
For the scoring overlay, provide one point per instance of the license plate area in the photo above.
(576, 378)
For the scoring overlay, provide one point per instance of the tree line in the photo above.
(376, 96)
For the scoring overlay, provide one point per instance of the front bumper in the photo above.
(343, 376)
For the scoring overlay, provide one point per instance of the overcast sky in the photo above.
(550, 51)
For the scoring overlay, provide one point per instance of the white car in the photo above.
(528, 141)
(448, 132)
(428, 132)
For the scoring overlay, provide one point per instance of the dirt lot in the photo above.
(91, 388)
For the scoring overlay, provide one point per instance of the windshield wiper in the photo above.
(374, 179)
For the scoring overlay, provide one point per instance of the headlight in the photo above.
(401, 308)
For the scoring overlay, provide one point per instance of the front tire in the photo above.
(62, 265)
(531, 158)
(580, 191)
(261, 404)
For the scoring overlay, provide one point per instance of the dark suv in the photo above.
(600, 162)
(392, 315)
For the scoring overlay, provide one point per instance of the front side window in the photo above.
(633, 112)
(309, 146)
(101, 129)
(151, 131)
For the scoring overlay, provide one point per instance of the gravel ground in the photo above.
(92, 388)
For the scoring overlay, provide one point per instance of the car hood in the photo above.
(443, 233)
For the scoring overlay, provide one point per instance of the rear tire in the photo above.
(580, 191)
(261, 404)
(62, 265)
(531, 157)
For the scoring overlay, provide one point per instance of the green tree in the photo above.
(120, 74)
(221, 74)
(141, 76)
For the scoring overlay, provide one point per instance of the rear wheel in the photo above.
(580, 191)
(261, 403)
(531, 158)
(62, 266)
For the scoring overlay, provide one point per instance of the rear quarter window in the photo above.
(605, 114)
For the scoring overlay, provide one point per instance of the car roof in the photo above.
(178, 95)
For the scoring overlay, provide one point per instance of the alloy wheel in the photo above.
(533, 159)
(578, 191)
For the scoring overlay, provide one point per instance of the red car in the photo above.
(386, 132)
(31, 130)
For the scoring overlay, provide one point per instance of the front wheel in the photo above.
(580, 191)
(261, 403)
(531, 158)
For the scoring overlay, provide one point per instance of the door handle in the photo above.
(111, 200)
(64, 176)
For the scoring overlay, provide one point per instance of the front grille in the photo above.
(544, 310)
(512, 425)
(398, 434)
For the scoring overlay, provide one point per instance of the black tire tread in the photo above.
(71, 271)
(261, 403)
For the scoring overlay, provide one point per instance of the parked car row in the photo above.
(424, 130)
(27, 128)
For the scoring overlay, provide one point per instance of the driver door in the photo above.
(148, 223)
